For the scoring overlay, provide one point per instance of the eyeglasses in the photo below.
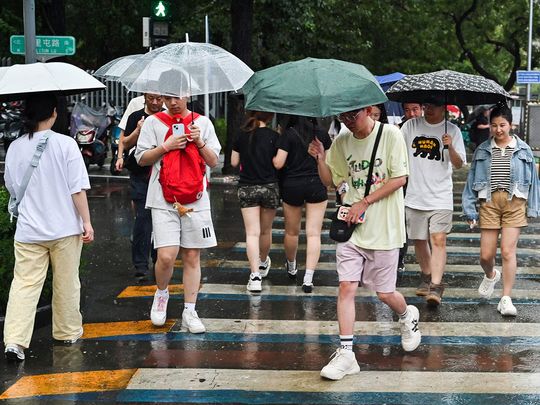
(349, 116)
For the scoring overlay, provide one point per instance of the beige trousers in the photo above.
(31, 265)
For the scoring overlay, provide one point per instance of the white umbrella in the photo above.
(186, 69)
(18, 81)
(113, 69)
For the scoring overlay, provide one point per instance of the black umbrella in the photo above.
(448, 87)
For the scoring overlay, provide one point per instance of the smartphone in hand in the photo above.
(178, 129)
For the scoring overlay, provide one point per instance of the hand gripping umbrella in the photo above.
(449, 87)
(313, 88)
(18, 81)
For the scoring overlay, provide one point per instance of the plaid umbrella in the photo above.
(448, 87)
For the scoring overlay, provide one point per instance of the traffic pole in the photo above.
(29, 15)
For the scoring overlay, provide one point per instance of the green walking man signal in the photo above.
(160, 10)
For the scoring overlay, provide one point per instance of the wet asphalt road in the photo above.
(455, 342)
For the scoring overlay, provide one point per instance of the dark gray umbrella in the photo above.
(447, 86)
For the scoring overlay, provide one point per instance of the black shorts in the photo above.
(309, 190)
(260, 195)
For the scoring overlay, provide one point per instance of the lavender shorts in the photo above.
(373, 269)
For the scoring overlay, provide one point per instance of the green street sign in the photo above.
(45, 45)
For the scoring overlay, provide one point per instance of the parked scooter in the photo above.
(115, 114)
(89, 128)
(10, 122)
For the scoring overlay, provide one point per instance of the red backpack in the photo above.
(182, 171)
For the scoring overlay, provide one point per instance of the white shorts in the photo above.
(194, 232)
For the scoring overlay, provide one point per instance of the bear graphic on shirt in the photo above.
(427, 147)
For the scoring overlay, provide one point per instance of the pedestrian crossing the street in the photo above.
(268, 348)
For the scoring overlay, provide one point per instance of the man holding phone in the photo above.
(174, 233)
(370, 256)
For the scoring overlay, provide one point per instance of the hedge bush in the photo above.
(220, 126)
(7, 257)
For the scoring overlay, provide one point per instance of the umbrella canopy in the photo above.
(313, 87)
(18, 81)
(448, 87)
(186, 69)
(113, 69)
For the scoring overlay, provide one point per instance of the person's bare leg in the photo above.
(509, 240)
(251, 216)
(265, 240)
(438, 256)
(166, 257)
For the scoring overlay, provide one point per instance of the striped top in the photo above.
(500, 167)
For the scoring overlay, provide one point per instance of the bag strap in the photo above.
(372, 161)
(42, 144)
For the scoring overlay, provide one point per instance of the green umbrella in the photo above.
(313, 88)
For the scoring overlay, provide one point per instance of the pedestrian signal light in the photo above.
(160, 10)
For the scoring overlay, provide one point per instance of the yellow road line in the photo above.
(96, 330)
(148, 290)
(69, 383)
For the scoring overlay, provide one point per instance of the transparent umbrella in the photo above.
(186, 69)
(113, 69)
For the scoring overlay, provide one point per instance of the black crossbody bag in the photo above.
(340, 231)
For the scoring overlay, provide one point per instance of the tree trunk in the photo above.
(241, 31)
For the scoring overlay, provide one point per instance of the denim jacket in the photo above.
(522, 174)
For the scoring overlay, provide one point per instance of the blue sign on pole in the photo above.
(527, 76)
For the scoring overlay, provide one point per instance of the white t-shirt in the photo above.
(135, 104)
(348, 159)
(152, 135)
(47, 211)
(430, 180)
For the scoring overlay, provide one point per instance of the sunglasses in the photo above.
(350, 116)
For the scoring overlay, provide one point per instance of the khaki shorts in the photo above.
(501, 213)
(373, 269)
(421, 224)
(193, 232)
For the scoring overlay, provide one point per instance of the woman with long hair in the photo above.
(503, 179)
(53, 223)
(301, 186)
(258, 191)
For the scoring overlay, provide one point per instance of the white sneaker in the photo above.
(342, 362)
(158, 314)
(488, 285)
(410, 333)
(192, 322)
(264, 267)
(14, 352)
(75, 339)
(291, 272)
(255, 283)
(505, 306)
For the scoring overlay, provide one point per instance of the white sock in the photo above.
(265, 262)
(190, 306)
(292, 265)
(404, 314)
(256, 274)
(163, 292)
(308, 277)
(346, 342)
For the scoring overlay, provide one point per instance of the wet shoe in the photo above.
(410, 333)
(264, 267)
(342, 362)
(505, 307)
(14, 352)
(74, 340)
(192, 322)
(255, 283)
(435, 294)
(307, 288)
(291, 272)
(423, 287)
(158, 314)
(488, 285)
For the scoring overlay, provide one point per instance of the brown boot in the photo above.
(423, 288)
(435, 294)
